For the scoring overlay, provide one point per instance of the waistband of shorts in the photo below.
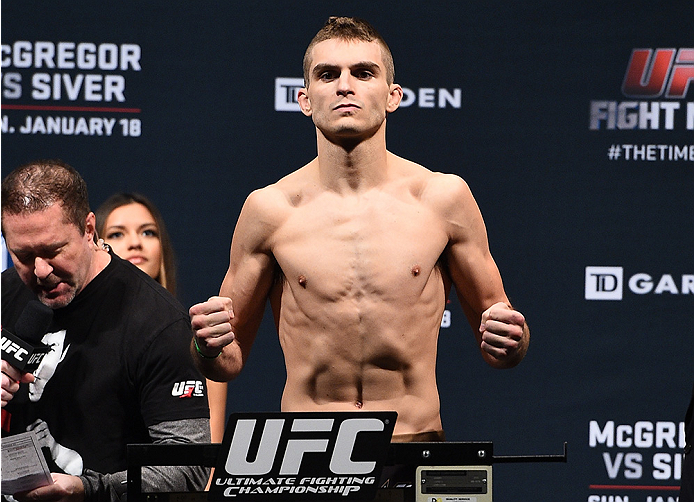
(419, 437)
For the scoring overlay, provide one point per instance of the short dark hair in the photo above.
(167, 272)
(349, 28)
(38, 185)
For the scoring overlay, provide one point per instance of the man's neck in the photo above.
(352, 166)
(100, 261)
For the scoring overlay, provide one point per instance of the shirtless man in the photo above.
(357, 252)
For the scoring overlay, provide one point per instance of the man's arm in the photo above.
(92, 486)
(112, 487)
(502, 333)
(224, 332)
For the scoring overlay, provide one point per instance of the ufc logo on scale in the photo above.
(294, 449)
(312, 455)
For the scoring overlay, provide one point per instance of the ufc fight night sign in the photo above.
(319, 456)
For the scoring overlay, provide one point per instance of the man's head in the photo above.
(38, 185)
(49, 230)
(349, 90)
(349, 29)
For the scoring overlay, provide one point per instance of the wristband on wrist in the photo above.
(197, 349)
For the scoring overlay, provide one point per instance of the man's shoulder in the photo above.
(141, 292)
(274, 200)
(410, 169)
(447, 184)
(431, 185)
(300, 181)
(450, 196)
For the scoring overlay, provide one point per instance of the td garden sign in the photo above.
(302, 456)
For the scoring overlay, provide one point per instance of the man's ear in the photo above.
(90, 226)
(394, 98)
(304, 102)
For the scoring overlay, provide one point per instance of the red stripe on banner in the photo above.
(633, 487)
(70, 108)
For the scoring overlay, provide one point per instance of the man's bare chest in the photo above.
(370, 250)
